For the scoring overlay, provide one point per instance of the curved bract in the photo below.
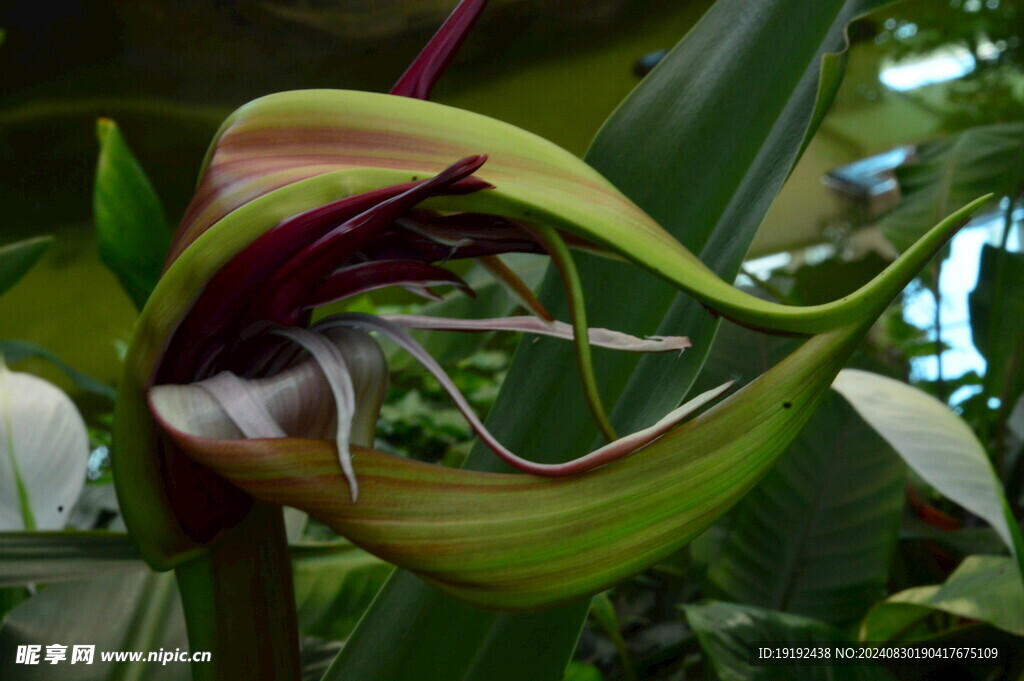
(508, 541)
(518, 542)
(304, 137)
(286, 154)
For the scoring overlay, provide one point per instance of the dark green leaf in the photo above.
(15, 351)
(334, 583)
(135, 611)
(727, 630)
(952, 171)
(577, 671)
(997, 325)
(703, 144)
(18, 258)
(132, 232)
(45, 557)
(984, 588)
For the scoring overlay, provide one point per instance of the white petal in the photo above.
(44, 443)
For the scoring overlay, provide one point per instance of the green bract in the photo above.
(289, 153)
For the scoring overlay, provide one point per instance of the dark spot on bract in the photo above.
(787, 405)
(60, 509)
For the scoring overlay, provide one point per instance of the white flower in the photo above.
(44, 448)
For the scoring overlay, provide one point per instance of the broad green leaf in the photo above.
(477, 644)
(334, 583)
(47, 557)
(983, 588)
(131, 611)
(960, 167)
(18, 258)
(936, 443)
(741, 134)
(15, 351)
(727, 631)
(43, 452)
(997, 327)
(132, 232)
(630, 303)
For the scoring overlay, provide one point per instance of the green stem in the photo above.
(240, 605)
(940, 378)
(559, 252)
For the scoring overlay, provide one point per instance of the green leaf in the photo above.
(132, 232)
(983, 588)
(334, 584)
(630, 304)
(18, 258)
(727, 631)
(742, 134)
(15, 351)
(476, 643)
(47, 557)
(578, 671)
(138, 610)
(936, 443)
(952, 171)
(997, 327)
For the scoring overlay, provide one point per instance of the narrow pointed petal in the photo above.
(515, 286)
(610, 452)
(604, 338)
(379, 274)
(278, 297)
(336, 371)
(427, 68)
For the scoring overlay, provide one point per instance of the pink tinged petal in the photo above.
(428, 67)
(332, 363)
(238, 400)
(369, 276)
(604, 455)
(604, 338)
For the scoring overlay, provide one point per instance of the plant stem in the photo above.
(240, 605)
(940, 379)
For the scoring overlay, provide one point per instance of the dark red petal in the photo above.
(429, 65)
(381, 273)
(282, 296)
(223, 308)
